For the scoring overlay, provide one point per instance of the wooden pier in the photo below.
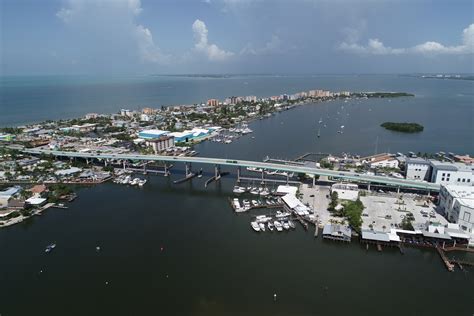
(445, 259)
(188, 177)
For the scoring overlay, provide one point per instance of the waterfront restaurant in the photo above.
(337, 232)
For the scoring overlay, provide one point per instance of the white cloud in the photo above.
(113, 21)
(376, 47)
(203, 46)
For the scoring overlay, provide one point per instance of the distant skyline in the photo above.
(235, 36)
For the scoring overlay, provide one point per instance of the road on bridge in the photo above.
(312, 171)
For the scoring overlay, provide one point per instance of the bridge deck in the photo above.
(347, 175)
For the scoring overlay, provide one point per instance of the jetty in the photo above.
(445, 259)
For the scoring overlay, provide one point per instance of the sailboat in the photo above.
(320, 120)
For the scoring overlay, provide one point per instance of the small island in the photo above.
(403, 127)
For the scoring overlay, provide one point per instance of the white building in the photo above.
(145, 117)
(452, 173)
(457, 203)
(346, 191)
(161, 144)
(417, 169)
(381, 161)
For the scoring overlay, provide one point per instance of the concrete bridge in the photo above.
(311, 171)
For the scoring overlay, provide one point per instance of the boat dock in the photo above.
(188, 177)
(445, 259)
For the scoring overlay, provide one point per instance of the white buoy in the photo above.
(274, 296)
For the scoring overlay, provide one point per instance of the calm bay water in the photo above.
(179, 250)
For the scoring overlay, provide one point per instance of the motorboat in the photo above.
(280, 214)
(270, 226)
(286, 226)
(255, 226)
(254, 203)
(50, 247)
(265, 192)
(292, 225)
(238, 190)
(262, 226)
(141, 182)
(278, 226)
(254, 191)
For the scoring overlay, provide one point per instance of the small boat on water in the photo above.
(255, 226)
(255, 191)
(238, 190)
(265, 192)
(200, 173)
(262, 226)
(286, 226)
(270, 226)
(292, 225)
(141, 182)
(278, 226)
(254, 203)
(50, 247)
(280, 214)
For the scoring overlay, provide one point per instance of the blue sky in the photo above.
(235, 36)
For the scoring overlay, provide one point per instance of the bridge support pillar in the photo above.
(429, 193)
(238, 174)
(87, 161)
(287, 178)
(398, 190)
(167, 172)
(188, 169)
(314, 180)
(124, 165)
(368, 187)
(144, 168)
(263, 176)
(217, 172)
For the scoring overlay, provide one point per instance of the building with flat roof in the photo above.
(464, 159)
(151, 133)
(337, 232)
(161, 144)
(213, 102)
(456, 173)
(381, 161)
(417, 169)
(346, 191)
(457, 203)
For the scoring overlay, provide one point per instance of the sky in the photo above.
(236, 36)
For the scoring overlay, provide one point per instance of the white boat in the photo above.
(254, 203)
(255, 191)
(270, 226)
(246, 204)
(142, 182)
(278, 226)
(280, 214)
(286, 226)
(238, 190)
(262, 226)
(292, 225)
(254, 169)
(255, 226)
(264, 192)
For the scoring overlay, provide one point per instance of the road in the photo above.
(311, 171)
